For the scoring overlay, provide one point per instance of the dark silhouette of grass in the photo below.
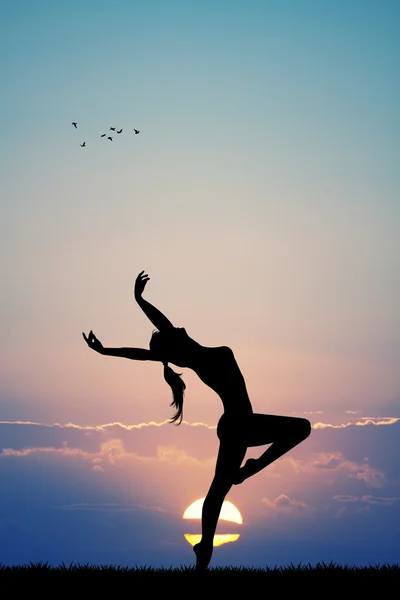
(318, 580)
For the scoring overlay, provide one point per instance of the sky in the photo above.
(261, 196)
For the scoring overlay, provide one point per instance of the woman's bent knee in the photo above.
(304, 428)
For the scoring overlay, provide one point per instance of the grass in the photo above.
(321, 579)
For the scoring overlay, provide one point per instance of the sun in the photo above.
(229, 512)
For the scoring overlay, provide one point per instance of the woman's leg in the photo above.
(236, 435)
(230, 456)
(283, 433)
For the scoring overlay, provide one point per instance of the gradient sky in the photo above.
(262, 197)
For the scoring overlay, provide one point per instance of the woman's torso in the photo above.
(217, 368)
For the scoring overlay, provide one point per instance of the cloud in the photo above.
(328, 460)
(113, 481)
(345, 498)
(368, 500)
(285, 504)
(361, 422)
(337, 461)
(112, 507)
(176, 455)
(328, 465)
(19, 435)
(380, 501)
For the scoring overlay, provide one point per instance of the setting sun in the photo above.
(229, 512)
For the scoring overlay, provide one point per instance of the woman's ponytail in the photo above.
(178, 387)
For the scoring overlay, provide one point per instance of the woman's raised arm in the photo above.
(156, 317)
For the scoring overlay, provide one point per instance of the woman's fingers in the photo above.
(90, 339)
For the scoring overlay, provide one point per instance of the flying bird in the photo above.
(120, 131)
(103, 135)
(112, 128)
(75, 125)
(84, 144)
(136, 131)
(109, 138)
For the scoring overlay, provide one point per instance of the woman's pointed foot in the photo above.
(203, 556)
(248, 469)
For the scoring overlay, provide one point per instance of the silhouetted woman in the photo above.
(239, 428)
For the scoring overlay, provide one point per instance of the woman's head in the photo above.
(170, 346)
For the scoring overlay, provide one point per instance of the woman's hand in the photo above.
(140, 284)
(93, 342)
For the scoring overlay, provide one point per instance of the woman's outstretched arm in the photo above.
(132, 353)
(156, 317)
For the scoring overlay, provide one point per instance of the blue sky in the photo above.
(262, 197)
